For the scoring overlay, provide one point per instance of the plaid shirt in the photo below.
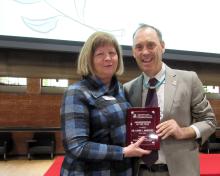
(93, 126)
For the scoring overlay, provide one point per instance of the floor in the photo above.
(24, 167)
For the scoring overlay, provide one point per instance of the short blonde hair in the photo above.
(86, 55)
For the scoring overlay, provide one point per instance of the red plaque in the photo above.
(143, 122)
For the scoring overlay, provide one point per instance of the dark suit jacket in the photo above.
(185, 102)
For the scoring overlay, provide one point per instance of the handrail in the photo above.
(41, 129)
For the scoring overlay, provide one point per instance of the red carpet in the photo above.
(209, 165)
(54, 169)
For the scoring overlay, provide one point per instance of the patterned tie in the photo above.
(151, 101)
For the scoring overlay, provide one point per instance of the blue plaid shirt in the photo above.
(93, 126)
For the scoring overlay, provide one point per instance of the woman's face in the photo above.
(105, 62)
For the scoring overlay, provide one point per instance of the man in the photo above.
(186, 117)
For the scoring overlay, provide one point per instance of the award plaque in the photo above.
(143, 122)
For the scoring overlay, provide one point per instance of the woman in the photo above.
(93, 114)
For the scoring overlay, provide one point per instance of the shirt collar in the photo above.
(159, 76)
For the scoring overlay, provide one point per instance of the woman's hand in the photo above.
(133, 150)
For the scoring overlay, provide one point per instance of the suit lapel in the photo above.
(169, 91)
(136, 93)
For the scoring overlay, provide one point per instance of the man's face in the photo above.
(148, 50)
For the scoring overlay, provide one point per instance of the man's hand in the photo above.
(171, 128)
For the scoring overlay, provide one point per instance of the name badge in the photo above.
(108, 97)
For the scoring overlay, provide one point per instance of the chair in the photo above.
(6, 143)
(41, 143)
(213, 144)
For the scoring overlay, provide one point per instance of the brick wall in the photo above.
(216, 108)
(30, 109)
(33, 109)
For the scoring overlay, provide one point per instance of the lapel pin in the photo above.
(174, 83)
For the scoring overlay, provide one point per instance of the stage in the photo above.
(209, 165)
